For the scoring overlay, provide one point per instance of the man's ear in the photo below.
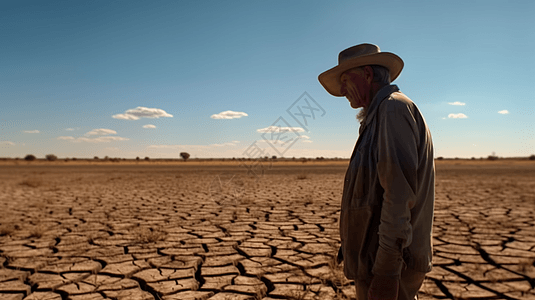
(368, 74)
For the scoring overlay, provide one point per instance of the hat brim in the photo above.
(330, 79)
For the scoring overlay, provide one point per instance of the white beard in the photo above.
(361, 115)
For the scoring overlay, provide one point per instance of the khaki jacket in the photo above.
(389, 191)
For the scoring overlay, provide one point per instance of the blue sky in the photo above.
(87, 78)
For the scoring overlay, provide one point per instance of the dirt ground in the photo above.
(211, 230)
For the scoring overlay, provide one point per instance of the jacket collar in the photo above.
(384, 92)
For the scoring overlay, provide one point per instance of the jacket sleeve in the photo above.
(397, 163)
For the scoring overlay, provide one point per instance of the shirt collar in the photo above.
(384, 92)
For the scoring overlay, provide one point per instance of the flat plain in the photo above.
(212, 230)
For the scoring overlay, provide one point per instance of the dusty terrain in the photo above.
(210, 231)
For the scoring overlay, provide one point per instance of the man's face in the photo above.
(355, 87)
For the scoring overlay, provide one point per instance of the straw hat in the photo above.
(358, 56)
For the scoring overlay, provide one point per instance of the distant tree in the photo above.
(274, 157)
(74, 158)
(147, 158)
(303, 160)
(51, 157)
(29, 157)
(184, 155)
(137, 158)
(440, 158)
(492, 157)
(532, 157)
(96, 157)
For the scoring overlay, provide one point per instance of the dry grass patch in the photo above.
(31, 182)
(37, 232)
(7, 229)
(302, 176)
(150, 235)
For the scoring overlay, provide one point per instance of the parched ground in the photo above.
(210, 231)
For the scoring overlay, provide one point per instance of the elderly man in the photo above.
(388, 198)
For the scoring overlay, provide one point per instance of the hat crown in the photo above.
(358, 50)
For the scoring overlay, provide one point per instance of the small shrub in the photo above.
(184, 155)
(6, 230)
(302, 176)
(33, 183)
(150, 235)
(96, 157)
(37, 232)
(137, 158)
(532, 157)
(440, 158)
(51, 157)
(29, 157)
(147, 158)
(492, 157)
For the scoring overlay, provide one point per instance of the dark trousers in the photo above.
(410, 283)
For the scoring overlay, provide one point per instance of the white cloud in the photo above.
(6, 143)
(65, 138)
(101, 139)
(229, 114)
(304, 137)
(142, 112)
(273, 129)
(197, 147)
(307, 141)
(31, 131)
(504, 112)
(72, 129)
(149, 126)
(163, 146)
(125, 117)
(456, 103)
(101, 131)
(179, 147)
(457, 116)
(233, 143)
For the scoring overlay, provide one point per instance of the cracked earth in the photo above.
(153, 231)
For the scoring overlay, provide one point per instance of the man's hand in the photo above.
(383, 288)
